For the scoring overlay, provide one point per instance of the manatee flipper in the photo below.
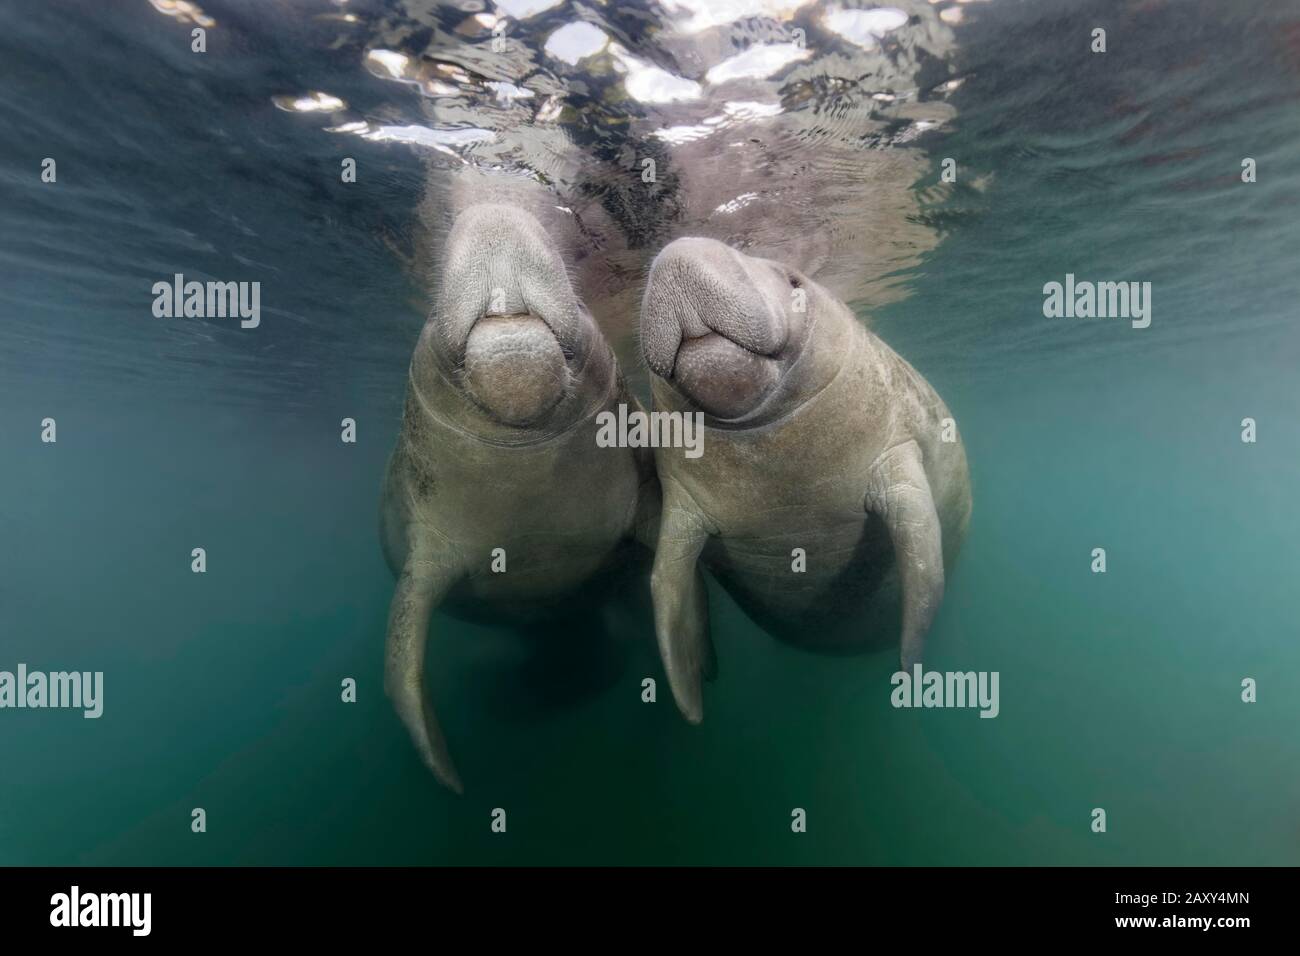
(899, 492)
(649, 495)
(682, 608)
(645, 523)
(421, 586)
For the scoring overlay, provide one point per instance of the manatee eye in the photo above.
(794, 281)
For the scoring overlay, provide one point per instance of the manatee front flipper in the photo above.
(682, 608)
(645, 522)
(420, 588)
(899, 492)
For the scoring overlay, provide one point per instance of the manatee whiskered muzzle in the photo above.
(724, 378)
(515, 368)
(714, 323)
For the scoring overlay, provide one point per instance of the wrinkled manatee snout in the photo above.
(510, 320)
(718, 324)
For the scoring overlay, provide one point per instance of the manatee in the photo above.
(817, 436)
(497, 446)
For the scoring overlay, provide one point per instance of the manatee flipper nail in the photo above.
(420, 587)
(899, 492)
(682, 609)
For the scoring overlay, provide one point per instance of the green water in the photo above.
(223, 690)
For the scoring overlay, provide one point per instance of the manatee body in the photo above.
(818, 437)
(496, 464)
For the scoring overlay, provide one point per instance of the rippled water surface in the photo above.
(811, 132)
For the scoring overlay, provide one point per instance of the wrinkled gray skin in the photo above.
(497, 450)
(818, 436)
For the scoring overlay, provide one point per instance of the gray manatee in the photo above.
(497, 446)
(817, 436)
